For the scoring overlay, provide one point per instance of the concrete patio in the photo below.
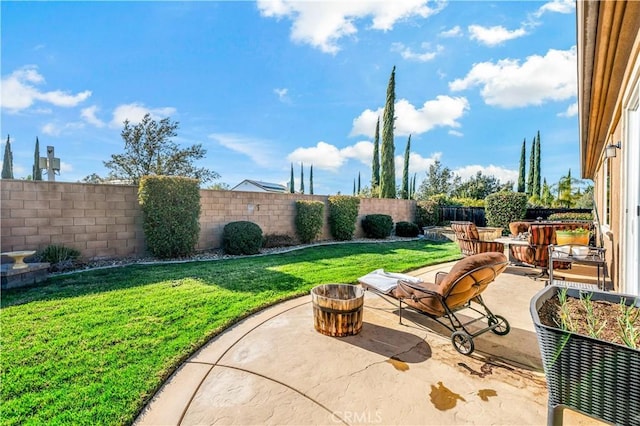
(274, 368)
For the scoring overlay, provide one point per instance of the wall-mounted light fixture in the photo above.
(610, 150)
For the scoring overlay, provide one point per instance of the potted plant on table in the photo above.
(590, 347)
(573, 236)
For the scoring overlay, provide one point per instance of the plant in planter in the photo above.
(594, 369)
(573, 236)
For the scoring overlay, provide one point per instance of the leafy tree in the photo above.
(220, 186)
(37, 171)
(292, 187)
(546, 198)
(585, 199)
(565, 190)
(149, 150)
(479, 187)
(439, 180)
(532, 159)
(536, 170)
(388, 171)
(311, 180)
(7, 161)
(521, 172)
(93, 178)
(405, 192)
(301, 178)
(375, 163)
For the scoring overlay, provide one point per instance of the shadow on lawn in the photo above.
(251, 274)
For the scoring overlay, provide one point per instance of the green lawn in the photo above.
(92, 348)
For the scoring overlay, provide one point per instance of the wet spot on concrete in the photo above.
(443, 398)
(398, 364)
(484, 394)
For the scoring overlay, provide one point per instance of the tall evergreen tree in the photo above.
(537, 190)
(7, 161)
(546, 198)
(387, 165)
(292, 187)
(37, 171)
(404, 192)
(521, 170)
(375, 163)
(359, 187)
(301, 178)
(311, 180)
(413, 186)
(354, 186)
(532, 157)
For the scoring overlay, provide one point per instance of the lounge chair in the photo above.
(451, 292)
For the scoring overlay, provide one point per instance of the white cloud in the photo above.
(502, 174)
(557, 6)
(323, 24)
(251, 147)
(135, 112)
(282, 94)
(509, 84)
(455, 133)
(442, 111)
(493, 36)
(323, 156)
(89, 115)
(417, 164)
(410, 55)
(572, 111)
(56, 129)
(452, 32)
(19, 91)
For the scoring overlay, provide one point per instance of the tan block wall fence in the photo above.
(105, 221)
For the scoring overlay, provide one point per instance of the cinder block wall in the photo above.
(105, 221)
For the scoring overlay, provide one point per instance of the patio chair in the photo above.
(469, 241)
(451, 293)
(536, 253)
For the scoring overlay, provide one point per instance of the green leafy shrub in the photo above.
(571, 216)
(242, 237)
(504, 207)
(467, 202)
(309, 219)
(170, 211)
(57, 254)
(407, 229)
(427, 213)
(343, 213)
(278, 240)
(377, 225)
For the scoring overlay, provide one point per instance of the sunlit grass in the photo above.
(92, 348)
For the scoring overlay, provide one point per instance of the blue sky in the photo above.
(265, 84)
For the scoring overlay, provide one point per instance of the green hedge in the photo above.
(309, 219)
(343, 213)
(242, 237)
(570, 216)
(170, 211)
(377, 225)
(504, 207)
(407, 229)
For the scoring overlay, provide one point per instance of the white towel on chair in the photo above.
(386, 281)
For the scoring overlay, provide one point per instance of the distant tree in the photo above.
(311, 180)
(439, 180)
(354, 186)
(358, 183)
(478, 187)
(521, 169)
(301, 178)
(37, 171)
(220, 186)
(387, 163)
(565, 190)
(536, 170)
(292, 188)
(546, 198)
(149, 150)
(375, 163)
(7, 161)
(532, 166)
(413, 186)
(585, 199)
(93, 178)
(405, 192)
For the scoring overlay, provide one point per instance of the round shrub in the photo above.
(242, 237)
(343, 213)
(407, 229)
(377, 225)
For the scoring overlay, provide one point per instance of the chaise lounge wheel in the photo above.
(462, 342)
(503, 326)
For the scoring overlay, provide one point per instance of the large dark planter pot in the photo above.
(597, 378)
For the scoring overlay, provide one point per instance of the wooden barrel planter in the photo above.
(337, 309)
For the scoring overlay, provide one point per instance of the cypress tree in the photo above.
(7, 161)
(37, 172)
(292, 187)
(354, 186)
(388, 171)
(359, 189)
(537, 190)
(532, 166)
(521, 173)
(413, 185)
(311, 180)
(404, 193)
(375, 172)
(301, 178)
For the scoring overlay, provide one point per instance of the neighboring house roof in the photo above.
(265, 186)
